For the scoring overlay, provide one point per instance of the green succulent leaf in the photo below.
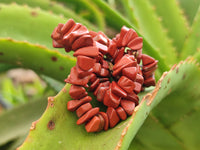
(151, 28)
(19, 19)
(118, 21)
(56, 8)
(5, 67)
(190, 8)
(129, 12)
(16, 122)
(86, 9)
(57, 126)
(173, 20)
(45, 61)
(173, 124)
(192, 43)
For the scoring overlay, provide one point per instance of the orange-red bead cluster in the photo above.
(115, 70)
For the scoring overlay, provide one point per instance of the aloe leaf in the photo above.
(45, 61)
(174, 123)
(190, 125)
(41, 27)
(192, 43)
(173, 20)
(152, 29)
(154, 136)
(36, 29)
(82, 6)
(190, 8)
(5, 67)
(129, 11)
(17, 142)
(197, 56)
(57, 126)
(117, 21)
(16, 122)
(56, 8)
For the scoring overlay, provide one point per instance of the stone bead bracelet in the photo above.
(114, 70)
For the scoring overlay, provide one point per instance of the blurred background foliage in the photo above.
(170, 29)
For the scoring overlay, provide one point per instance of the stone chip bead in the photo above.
(87, 116)
(83, 109)
(112, 116)
(114, 70)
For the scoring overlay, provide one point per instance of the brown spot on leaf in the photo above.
(51, 125)
(1, 53)
(168, 81)
(34, 13)
(18, 62)
(61, 68)
(177, 69)
(52, 104)
(53, 58)
(169, 91)
(50, 101)
(41, 69)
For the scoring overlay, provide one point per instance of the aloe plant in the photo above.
(171, 34)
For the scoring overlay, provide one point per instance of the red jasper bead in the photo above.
(88, 115)
(83, 109)
(104, 72)
(102, 84)
(126, 84)
(101, 39)
(112, 49)
(97, 68)
(74, 104)
(67, 26)
(137, 88)
(133, 97)
(111, 100)
(83, 41)
(117, 90)
(119, 55)
(102, 48)
(123, 61)
(123, 32)
(94, 85)
(150, 66)
(131, 34)
(85, 63)
(112, 116)
(105, 64)
(90, 51)
(93, 78)
(74, 79)
(139, 79)
(136, 43)
(101, 93)
(121, 113)
(146, 60)
(81, 73)
(106, 121)
(77, 92)
(130, 72)
(102, 122)
(128, 106)
(93, 125)
(149, 82)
